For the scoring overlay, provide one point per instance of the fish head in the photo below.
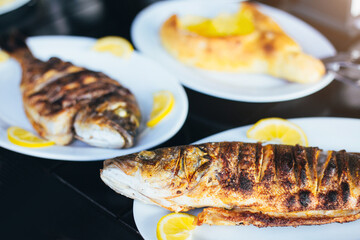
(109, 122)
(154, 176)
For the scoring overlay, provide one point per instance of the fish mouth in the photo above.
(124, 176)
(123, 184)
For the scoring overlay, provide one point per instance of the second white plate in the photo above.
(232, 86)
(140, 74)
(326, 133)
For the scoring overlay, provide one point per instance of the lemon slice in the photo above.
(277, 130)
(3, 56)
(118, 46)
(175, 226)
(163, 102)
(25, 138)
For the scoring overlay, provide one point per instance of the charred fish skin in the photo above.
(54, 92)
(244, 183)
(117, 115)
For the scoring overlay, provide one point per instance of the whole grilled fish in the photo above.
(63, 101)
(243, 183)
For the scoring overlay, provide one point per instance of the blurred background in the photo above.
(84, 17)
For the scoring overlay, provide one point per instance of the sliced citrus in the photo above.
(163, 102)
(116, 45)
(175, 226)
(277, 130)
(25, 138)
(3, 56)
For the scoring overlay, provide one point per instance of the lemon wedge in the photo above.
(118, 46)
(163, 102)
(175, 226)
(3, 56)
(25, 138)
(277, 130)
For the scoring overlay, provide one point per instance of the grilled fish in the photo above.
(243, 183)
(63, 101)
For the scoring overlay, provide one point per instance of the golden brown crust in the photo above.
(220, 216)
(266, 50)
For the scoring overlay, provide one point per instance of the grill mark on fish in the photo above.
(36, 69)
(269, 165)
(246, 165)
(354, 167)
(304, 198)
(57, 89)
(342, 161)
(345, 192)
(228, 155)
(302, 166)
(286, 169)
(330, 173)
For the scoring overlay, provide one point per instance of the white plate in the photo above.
(232, 86)
(141, 75)
(326, 133)
(12, 6)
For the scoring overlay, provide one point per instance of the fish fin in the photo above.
(14, 43)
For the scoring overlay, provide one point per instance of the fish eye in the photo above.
(146, 155)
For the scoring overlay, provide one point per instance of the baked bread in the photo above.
(266, 49)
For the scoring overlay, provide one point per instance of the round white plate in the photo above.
(232, 86)
(141, 75)
(326, 133)
(12, 6)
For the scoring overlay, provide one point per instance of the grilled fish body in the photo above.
(243, 183)
(63, 101)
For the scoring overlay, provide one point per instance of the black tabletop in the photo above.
(50, 199)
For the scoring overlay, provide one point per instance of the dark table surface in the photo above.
(49, 199)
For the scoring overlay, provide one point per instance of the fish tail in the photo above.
(14, 43)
